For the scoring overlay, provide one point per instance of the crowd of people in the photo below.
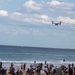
(38, 69)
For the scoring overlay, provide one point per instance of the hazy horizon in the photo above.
(36, 47)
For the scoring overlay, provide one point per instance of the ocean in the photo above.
(21, 54)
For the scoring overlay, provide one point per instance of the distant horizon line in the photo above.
(35, 47)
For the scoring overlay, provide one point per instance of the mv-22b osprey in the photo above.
(56, 23)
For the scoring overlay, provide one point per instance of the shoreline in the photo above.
(18, 63)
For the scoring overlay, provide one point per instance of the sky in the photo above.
(29, 23)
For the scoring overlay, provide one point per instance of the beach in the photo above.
(36, 69)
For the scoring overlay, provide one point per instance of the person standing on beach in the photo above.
(21, 66)
(34, 65)
(12, 69)
(24, 66)
(70, 69)
(73, 69)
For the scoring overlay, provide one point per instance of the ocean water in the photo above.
(20, 54)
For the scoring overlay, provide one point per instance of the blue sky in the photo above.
(28, 23)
